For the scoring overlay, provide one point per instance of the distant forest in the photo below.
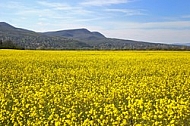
(8, 44)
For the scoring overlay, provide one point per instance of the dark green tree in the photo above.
(9, 44)
(1, 42)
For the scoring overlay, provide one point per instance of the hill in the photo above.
(99, 41)
(182, 44)
(33, 40)
(74, 39)
(77, 34)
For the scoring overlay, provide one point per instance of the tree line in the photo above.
(8, 44)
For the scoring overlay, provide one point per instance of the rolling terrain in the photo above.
(75, 39)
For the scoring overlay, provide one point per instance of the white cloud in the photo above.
(166, 32)
(180, 25)
(128, 12)
(185, 16)
(48, 11)
(103, 2)
(12, 5)
(156, 35)
(64, 7)
(56, 6)
(168, 25)
(90, 19)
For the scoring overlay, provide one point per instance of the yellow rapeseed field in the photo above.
(73, 88)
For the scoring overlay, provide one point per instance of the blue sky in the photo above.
(166, 21)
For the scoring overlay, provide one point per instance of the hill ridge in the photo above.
(82, 33)
(75, 39)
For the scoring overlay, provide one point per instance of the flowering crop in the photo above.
(94, 88)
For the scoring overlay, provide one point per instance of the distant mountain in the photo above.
(32, 40)
(77, 34)
(5, 26)
(74, 39)
(186, 44)
(182, 44)
(99, 41)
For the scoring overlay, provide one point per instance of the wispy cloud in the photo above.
(168, 32)
(103, 2)
(91, 19)
(177, 25)
(56, 6)
(156, 35)
(47, 10)
(64, 7)
(128, 12)
(185, 16)
(180, 25)
(12, 5)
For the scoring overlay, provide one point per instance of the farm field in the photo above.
(127, 88)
